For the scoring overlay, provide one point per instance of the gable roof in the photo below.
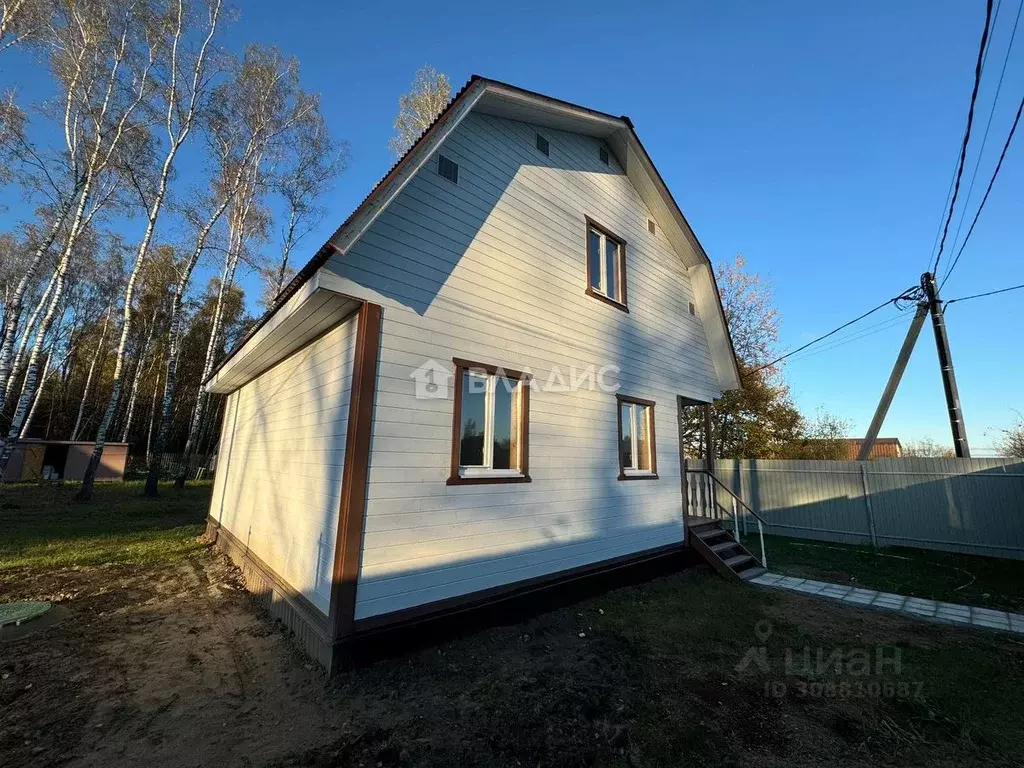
(504, 100)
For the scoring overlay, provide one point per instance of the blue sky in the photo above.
(817, 139)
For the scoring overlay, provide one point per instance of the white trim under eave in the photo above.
(705, 296)
(242, 367)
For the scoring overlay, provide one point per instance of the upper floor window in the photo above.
(637, 456)
(606, 266)
(490, 425)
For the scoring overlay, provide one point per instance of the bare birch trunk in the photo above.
(133, 396)
(13, 313)
(89, 480)
(202, 396)
(19, 358)
(92, 370)
(32, 372)
(173, 350)
(152, 418)
(35, 400)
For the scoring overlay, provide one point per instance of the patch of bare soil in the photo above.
(153, 665)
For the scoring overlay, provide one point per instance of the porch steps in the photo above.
(722, 552)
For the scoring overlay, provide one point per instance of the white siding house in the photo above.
(486, 244)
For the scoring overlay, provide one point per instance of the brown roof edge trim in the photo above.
(352, 510)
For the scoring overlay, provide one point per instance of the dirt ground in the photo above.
(162, 666)
(170, 665)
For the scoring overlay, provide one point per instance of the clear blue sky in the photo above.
(817, 139)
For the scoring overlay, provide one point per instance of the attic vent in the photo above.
(542, 144)
(603, 154)
(650, 226)
(448, 169)
(693, 309)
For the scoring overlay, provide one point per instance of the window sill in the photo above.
(638, 475)
(601, 297)
(486, 478)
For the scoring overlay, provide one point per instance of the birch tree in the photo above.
(316, 160)
(246, 219)
(75, 431)
(95, 55)
(20, 20)
(182, 99)
(252, 117)
(430, 93)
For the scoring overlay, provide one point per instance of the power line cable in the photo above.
(982, 295)
(967, 133)
(834, 331)
(952, 176)
(991, 183)
(889, 323)
(991, 112)
(852, 335)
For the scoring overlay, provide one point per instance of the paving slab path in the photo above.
(932, 610)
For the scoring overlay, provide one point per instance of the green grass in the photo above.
(42, 526)
(955, 578)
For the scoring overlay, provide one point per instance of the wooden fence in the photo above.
(974, 506)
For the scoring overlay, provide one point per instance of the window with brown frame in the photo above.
(606, 266)
(490, 425)
(638, 457)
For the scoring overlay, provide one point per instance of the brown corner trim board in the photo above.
(356, 470)
(316, 632)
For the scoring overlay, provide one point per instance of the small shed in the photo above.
(63, 460)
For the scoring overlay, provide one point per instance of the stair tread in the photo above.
(716, 548)
(708, 531)
(732, 562)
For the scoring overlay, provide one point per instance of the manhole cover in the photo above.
(19, 613)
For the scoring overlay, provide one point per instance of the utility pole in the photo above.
(894, 381)
(956, 419)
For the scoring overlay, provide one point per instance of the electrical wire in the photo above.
(982, 295)
(991, 113)
(952, 177)
(903, 296)
(889, 323)
(991, 183)
(967, 133)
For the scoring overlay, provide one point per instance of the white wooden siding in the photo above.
(494, 270)
(282, 453)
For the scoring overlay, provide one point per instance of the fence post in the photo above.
(867, 504)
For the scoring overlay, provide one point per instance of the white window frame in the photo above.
(601, 288)
(487, 468)
(635, 470)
